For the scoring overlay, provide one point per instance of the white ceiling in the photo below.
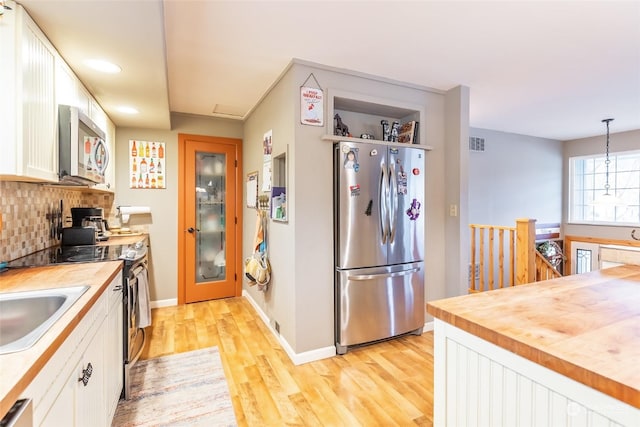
(552, 69)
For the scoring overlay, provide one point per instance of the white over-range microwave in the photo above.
(84, 154)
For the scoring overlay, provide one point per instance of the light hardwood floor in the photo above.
(386, 384)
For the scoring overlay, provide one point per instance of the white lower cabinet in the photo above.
(80, 403)
(62, 412)
(80, 385)
(91, 408)
(114, 352)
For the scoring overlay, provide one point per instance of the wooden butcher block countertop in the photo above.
(17, 370)
(585, 327)
(124, 239)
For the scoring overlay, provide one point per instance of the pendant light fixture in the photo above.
(607, 199)
(607, 161)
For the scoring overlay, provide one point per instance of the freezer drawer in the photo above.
(377, 303)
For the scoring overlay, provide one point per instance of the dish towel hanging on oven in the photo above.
(144, 305)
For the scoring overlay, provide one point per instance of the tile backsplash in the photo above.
(25, 229)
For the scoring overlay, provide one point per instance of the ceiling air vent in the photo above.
(476, 144)
(231, 111)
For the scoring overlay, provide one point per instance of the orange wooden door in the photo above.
(209, 229)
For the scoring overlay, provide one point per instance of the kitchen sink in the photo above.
(26, 316)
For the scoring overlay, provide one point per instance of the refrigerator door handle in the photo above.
(382, 202)
(379, 275)
(393, 203)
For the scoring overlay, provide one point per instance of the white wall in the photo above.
(274, 113)
(456, 194)
(623, 141)
(517, 176)
(162, 224)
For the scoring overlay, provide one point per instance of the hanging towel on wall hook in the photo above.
(257, 268)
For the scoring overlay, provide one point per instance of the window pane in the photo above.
(588, 182)
(627, 179)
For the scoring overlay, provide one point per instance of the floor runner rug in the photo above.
(185, 389)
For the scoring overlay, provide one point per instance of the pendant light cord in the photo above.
(607, 161)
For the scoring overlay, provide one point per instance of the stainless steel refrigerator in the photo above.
(379, 242)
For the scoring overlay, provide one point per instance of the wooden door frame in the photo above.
(182, 169)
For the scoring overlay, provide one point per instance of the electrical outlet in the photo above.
(476, 273)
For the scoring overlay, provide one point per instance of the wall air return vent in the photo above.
(476, 144)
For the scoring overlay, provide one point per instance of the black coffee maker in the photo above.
(87, 227)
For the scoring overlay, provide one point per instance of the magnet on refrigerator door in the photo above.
(414, 210)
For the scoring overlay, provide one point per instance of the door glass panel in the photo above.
(210, 172)
(583, 258)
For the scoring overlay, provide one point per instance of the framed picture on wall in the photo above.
(252, 189)
(147, 164)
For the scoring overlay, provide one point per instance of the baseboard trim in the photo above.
(296, 358)
(164, 303)
(428, 327)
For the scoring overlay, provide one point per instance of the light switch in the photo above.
(453, 210)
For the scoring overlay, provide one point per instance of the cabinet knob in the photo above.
(86, 374)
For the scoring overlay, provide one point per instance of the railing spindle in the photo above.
(481, 285)
(472, 271)
(491, 278)
(501, 259)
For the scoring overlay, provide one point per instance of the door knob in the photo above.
(192, 230)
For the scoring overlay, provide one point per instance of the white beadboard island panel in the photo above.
(477, 383)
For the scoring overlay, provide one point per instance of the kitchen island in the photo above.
(560, 352)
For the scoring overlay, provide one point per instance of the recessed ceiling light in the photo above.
(127, 110)
(102, 65)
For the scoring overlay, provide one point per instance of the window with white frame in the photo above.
(587, 186)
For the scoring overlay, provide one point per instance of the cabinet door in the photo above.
(62, 412)
(90, 397)
(66, 84)
(585, 257)
(38, 133)
(110, 172)
(8, 99)
(114, 356)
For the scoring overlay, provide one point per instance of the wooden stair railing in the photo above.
(517, 257)
(478, 257)
(544, 269)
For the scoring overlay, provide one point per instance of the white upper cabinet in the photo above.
(66, 85)
(36, 79)
(69, 90)
(27, 109)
